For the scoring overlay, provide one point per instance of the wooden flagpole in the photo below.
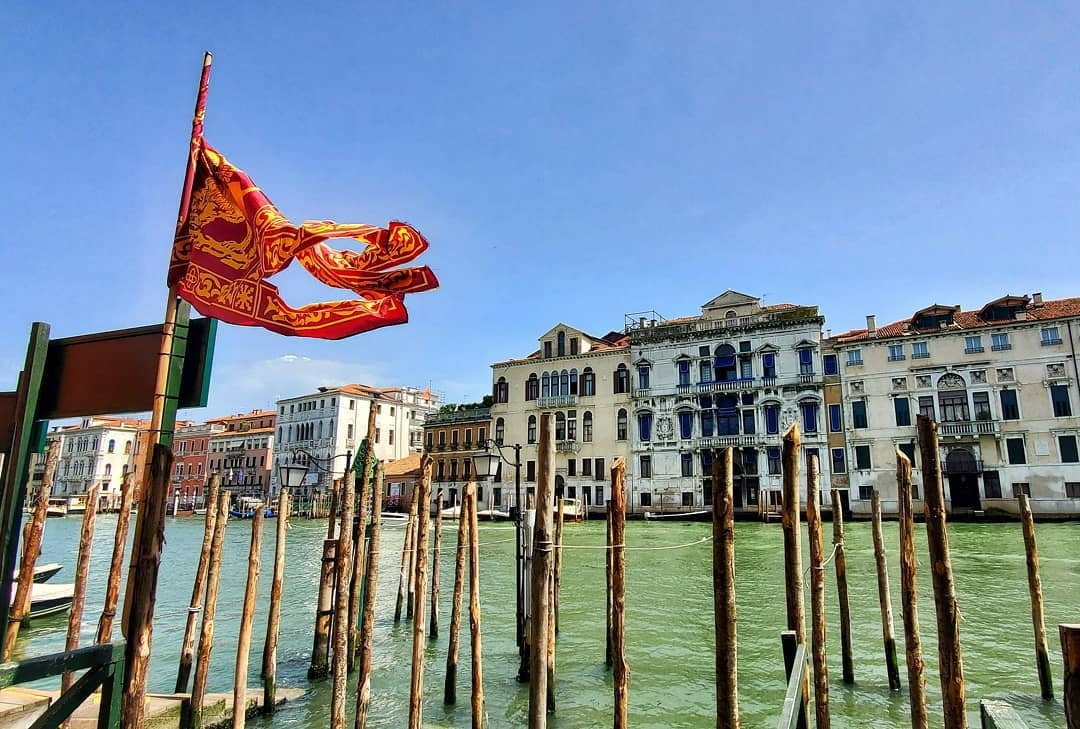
(137, 662)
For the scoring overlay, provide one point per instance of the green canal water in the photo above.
(669, 623)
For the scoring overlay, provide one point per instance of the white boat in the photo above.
(392, 516)
(492, 515)
(199, 512)
(56, 508)
(573, 509)
(76, 505)
(454, 512)
(42, 572)
(48, 600)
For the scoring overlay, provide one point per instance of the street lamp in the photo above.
(291, 475)
(485, 466)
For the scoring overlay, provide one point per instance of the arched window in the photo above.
(588, 382)
(724, 364)
(620, 425)
(644, 427)
(320, 429)
(573, 382)
(622, 379)
(290, 432)
(560, 347)
(502, 390)
(532, 428)
(686, 424)
(545, 385)
(279, 433)
(112, 446)
(586, 427)
(500, 430)
(731, 314)
(564, 383)
(532, 387)
(108, 470)
(560, 426)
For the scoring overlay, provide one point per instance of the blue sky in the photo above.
(568, 161)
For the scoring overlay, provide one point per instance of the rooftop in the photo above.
(407, 466)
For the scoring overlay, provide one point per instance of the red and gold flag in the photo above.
(234, 239)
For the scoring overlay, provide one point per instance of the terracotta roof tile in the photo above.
(407, 466)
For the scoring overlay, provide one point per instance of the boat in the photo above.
(454, 512)
(42, 572)
(56, 508)
(250, 513)
(76, 505)
(573, 509)
(199, 512)
(492, 515)
(392, 516)
(48, 600)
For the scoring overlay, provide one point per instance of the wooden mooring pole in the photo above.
(193, 719)
(247, 621)
(198, 589)
(884, 596)
(541, 573)
(1031, 551)
(793, 577)
(474, 612)
(116, 567)
(32, 536)
(840, 560)
(339, 670)
(450, 685)
(950, 655)
(1070, 658)
(416, 683)
(909, 598)
(723, 574)
(410, 593)
(273, 619)
(82, 573)
(608, 656)
(371, 587)
(817, 594)
(559, 521)
(406, 561)
(436, 551)
(359, 563)
(324, 613)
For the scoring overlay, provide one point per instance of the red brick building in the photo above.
(187, 486)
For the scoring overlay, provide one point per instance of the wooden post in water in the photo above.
(324, 612)
(82, 572)
(950, 655)
(909, 599)
(339, 670)
(198, 589)
(35, 529)
(359, 563)
(551, 638)
(1070, 657)
(273, 619)
(436, 554)
(608, 656)
(367, 625)
(116, 567)
(793, 579)
(410, 594)
(840, 559)
(416, 683)
(206, 633)
(817, 594)
(560, 518)
(146, 558)
(406, 561)
(450, 686)
(620, 668)
(474, 612)
(723, 575)
(541, 573)
(331, 521)
(247, 620)
(1031, 550)
(884, 597)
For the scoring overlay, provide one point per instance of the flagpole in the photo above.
(138, 618)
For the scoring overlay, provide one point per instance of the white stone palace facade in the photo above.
(736, 375)
(584, 381)
(1002, 382)
(99, 451)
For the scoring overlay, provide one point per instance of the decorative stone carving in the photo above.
(857, 387)
(1005, 374)
(899, 383)
(951, 381)
(664, 427)
(788, 416)
(1053, 371)
(978, 377)
(922, 381)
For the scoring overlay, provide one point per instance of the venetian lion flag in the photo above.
(234, 239)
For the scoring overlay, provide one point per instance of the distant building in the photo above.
(327, 425)
(584, 381)
(452, 439)
(242, 452)
(400, 478)
(99, 451)
(1002, 382)
(736, 375)
(191, 450)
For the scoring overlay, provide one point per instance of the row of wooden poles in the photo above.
(950, 658)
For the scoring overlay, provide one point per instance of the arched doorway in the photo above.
(962, 470)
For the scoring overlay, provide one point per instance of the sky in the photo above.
(568, 162)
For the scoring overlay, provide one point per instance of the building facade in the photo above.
(736, 375)
(324, 427)
(99, 451)
(584, 381)
(451, 439)
(1002, 382)
(242, 452)
(191, 450)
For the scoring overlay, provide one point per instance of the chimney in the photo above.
(641, 322)
(1036, 298)
(871, 325)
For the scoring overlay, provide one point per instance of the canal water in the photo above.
(669, 625)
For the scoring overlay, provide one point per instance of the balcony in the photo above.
(1001, 347)
(853, 363)
(974, 350)
(723, 441)
(768, 381)
(896, 357)
(970, 427)
(1051, 341)
(920, 355)
(557, 401)
(962, 466)
(726, 385)
(567, 446)
(684, 389)
(807, 378)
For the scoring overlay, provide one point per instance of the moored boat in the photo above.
(42, 572)
(48, 600)
(56, 508)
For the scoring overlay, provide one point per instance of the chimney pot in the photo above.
(1036, 298)
(871, 324)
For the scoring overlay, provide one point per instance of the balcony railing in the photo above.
(725, 385)
(963, 467)
(684, 389)
(896, 357)
(768, 381)
(557, 401)
(722, 441)
(567, 446)
(969, 427)
(974, 350)
(807, 378)
(1050, 342)
(920, 355)
(1001, 347)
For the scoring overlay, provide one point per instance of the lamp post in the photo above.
(291, 474)
(485, 465)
